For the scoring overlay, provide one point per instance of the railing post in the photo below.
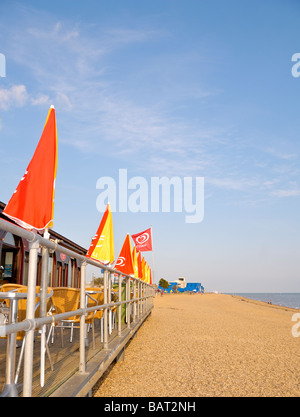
(105, 335)
(31, 290)
(108, 302)
(120, 306)
(43, 309)
(143, 295)
(135, 302)
(128, 301)
(140, 301)
(10, 387)
(82, 333)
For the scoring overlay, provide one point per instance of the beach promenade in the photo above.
(209, 345)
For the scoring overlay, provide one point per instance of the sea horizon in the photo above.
(284, 299)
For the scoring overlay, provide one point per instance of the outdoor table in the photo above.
(13, 297)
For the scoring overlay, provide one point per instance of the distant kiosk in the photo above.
(181, 282)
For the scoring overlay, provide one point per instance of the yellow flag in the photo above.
(143, 268)
(102, 246)
(135, 263)
(146, 272)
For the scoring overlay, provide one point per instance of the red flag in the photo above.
(125, 262)
(102, 246)
(143, 240)
(32, 204)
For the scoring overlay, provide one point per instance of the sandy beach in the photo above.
(209, 345)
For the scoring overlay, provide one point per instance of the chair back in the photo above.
(22, 303)
(65, 299)
(22, 307)
(99, 297)
(10, 287)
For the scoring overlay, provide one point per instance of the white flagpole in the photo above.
(152, 269)
(43, 299)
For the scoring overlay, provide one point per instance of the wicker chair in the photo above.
(99, 314)
(22, 307)
(5, 304)
(11, 287)
(66, 299)
(98, 297)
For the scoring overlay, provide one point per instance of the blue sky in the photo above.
(165, 88)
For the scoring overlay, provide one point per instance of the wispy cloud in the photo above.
(281, 155)
(18, 96)
(40, 100)
(240, 184)
(285, 193)
(15, 96)
(78, 81)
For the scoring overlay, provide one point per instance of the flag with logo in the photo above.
(102, 246)
(143, 240)
(32, 204)
(125, 262)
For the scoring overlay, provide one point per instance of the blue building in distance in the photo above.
(183, 286)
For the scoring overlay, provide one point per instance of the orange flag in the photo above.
(102, 246)
(125, 262)
(32, 204)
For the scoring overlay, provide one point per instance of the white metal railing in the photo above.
(142, 302)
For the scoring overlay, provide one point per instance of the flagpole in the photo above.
(43, 306)
(152, 257)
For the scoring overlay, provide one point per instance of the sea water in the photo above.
(282, 299)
